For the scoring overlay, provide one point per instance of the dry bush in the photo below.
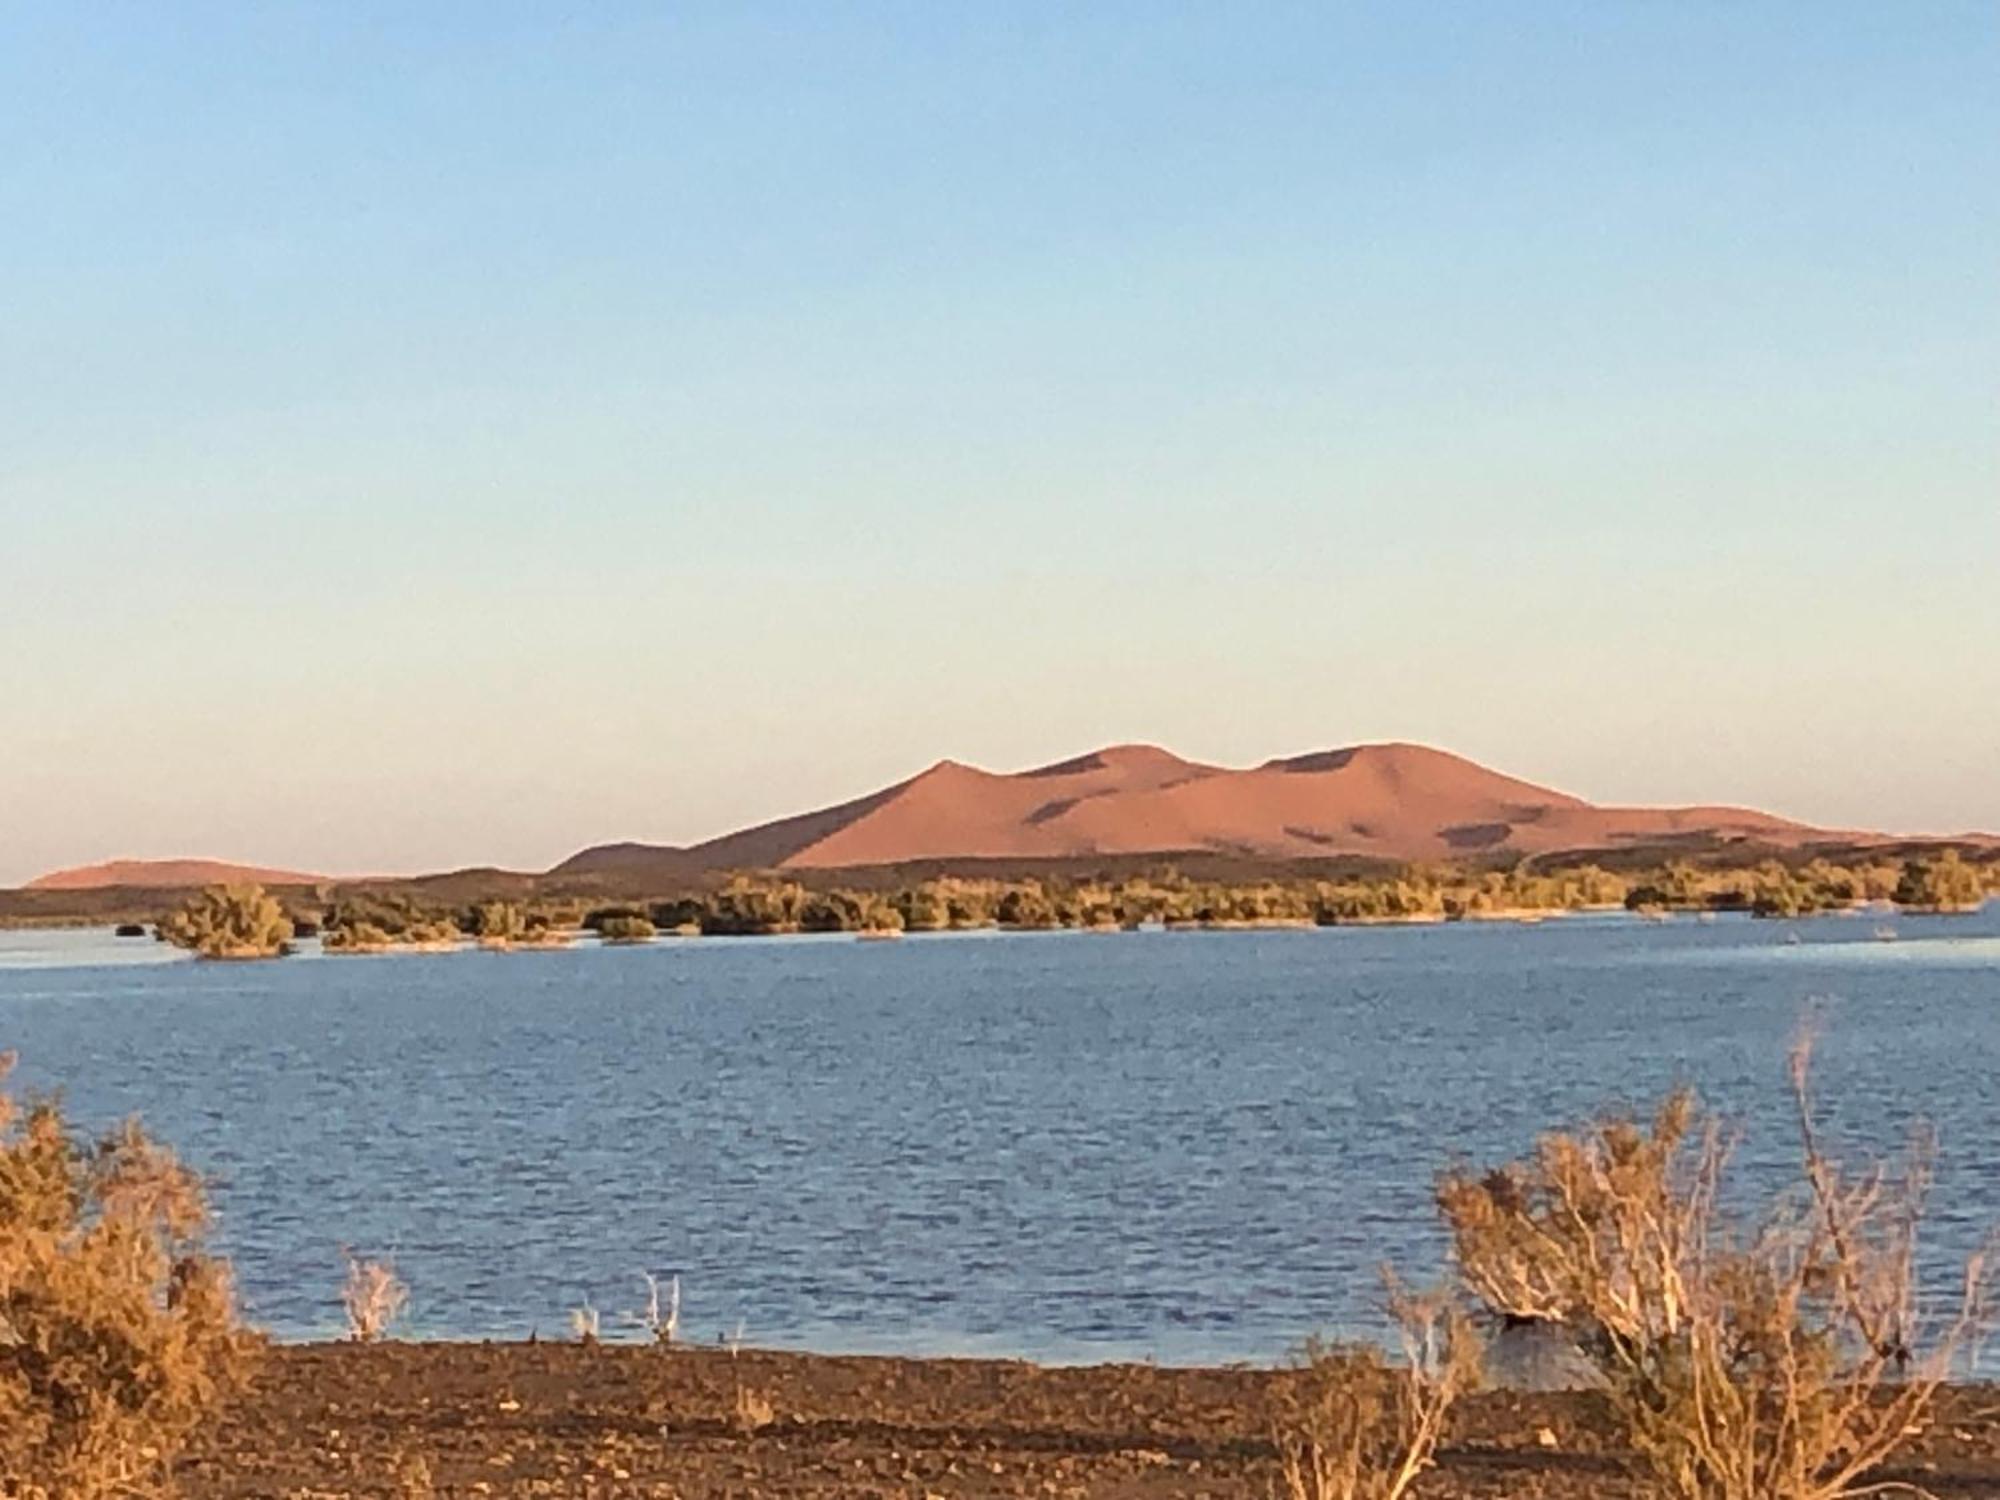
(412, 1477)
(1351, 1425)
(373, 1296)
(118, 1336)
(1786, 1359)
(754, 1411)
(663, 1323)
(230, 921)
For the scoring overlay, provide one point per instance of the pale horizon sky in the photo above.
(460, 434)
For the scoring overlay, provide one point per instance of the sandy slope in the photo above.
(1394, 801)
(1388, 801)
(162, 874)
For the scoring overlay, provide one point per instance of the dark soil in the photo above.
(515, 1420)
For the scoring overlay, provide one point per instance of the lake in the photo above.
(1184, 1146)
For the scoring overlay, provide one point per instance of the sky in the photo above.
(462, 433)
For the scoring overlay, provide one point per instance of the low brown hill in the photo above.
(1392, 801)
(166, 874)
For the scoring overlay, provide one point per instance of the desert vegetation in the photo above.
(627, 927)
(380, 924)
(505, 924)
(1785, 1353)
(1945, 883)
(1769, 888)
(1350, 1423)
(1783, 1356)
(397, 921)
(661, 1318)
(748, 904)
(534, 913)
(118, 1334)
(372, 1297)
(230, 922)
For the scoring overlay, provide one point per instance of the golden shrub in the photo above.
(118, 1335)
(1783, 1357)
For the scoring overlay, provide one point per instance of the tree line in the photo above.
(237, 922)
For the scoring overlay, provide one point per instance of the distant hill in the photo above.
(165, 874)
(1362, 805)
(1391, 801)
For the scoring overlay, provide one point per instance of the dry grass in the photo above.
(117, 1334)
(753, 1412)
(1351, 1425)
(1788, 1359)
(373, 1297)
(413, 1477)
(662, 1322)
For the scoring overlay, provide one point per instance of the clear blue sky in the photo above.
(449, 433)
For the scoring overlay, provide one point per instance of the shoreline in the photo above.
(506, 1421)
(674, 936)
(1526, 916)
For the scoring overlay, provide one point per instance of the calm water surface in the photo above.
(1188, 1147)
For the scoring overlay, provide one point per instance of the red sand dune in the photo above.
(161, 874)
(1393, 801)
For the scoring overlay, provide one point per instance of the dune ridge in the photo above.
(1391, 801)
(166, 874)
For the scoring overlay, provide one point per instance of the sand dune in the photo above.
(1389, 801)
(1392, 801)
(163, 874)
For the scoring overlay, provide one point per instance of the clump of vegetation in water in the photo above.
(1946, 880)
(761, 904)
(1944, 884)
(368, 923)
(503, 924)
(880, 916)
(118, 1334)
(1769, 888)
(355, 936)
(627, 927)
(230, 921)
(851, 911)
(747, 905)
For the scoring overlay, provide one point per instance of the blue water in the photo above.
(1188, 1147)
